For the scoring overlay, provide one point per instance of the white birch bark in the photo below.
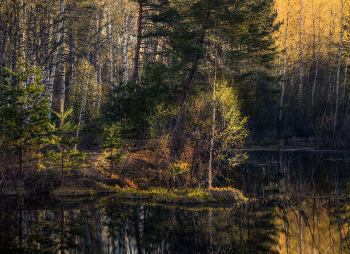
(284, 62)
(126, 46)
(22, 32)
(63, 74)
(45, 44)
(338, 69)
(212, 136)
(54, 60)
(83, 103)
(110, 40)
(86, 74)
(87, 40)
(30, 41)
(98, 58)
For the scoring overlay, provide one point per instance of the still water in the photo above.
(314, 218)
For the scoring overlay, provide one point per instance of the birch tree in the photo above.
(338, 69)
(55, 51)
(284, 62)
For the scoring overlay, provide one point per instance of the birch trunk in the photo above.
(138, 44)
(126, 46)
(55, 51)
(213, 130)
(110, 41)
(63, 75)
(98, 58)
(284, 62)
(87, 40)
(70, 88)
(338, 69)
(22, 28)
(30, 43)
(45, 44)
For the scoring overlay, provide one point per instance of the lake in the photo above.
(313, 218)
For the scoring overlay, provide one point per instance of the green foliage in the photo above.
(187, 149)
(112, 145)
(24, 111)
(231, 126)
(64, 157)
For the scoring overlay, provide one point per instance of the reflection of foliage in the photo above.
(172, 229)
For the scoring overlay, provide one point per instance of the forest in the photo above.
(165, 92)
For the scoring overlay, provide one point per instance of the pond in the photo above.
(317, 222)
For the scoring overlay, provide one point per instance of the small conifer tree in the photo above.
(65, 158)
(112, 146)
(24, 113)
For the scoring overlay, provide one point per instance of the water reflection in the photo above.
(318, 224)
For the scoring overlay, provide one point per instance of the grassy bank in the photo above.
(162, 195)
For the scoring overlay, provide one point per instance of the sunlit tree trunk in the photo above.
(284, 62)
(338, 70)
(316, 54)
(213, 129)
(346, 104)
(301, 53)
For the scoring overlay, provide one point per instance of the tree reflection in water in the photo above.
(319, 224)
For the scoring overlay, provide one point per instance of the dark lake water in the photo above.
(316, 218)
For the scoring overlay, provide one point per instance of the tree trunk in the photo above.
(98, 58)
(301, 53)
(213, 129)
(338, 70)
(63, 75)
(126, 46)
(22, 24)
(316, 57)
(54, 61)
(284, 62)
(138, 43)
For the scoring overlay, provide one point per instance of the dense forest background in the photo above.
(119, 60)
